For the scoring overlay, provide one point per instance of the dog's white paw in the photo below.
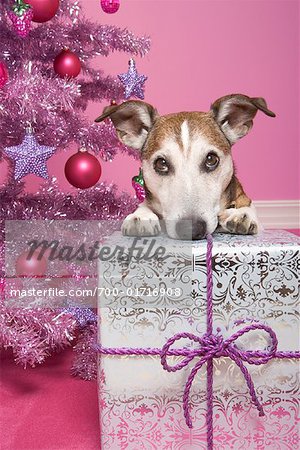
(141, 223)
(239, 220)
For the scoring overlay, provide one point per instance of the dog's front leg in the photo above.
(239, 220)
(143, 222)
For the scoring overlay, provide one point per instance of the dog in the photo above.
(189, 175)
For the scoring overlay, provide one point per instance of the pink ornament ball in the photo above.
(110, 6)
(82, 170)
(43, 10)
(32, 267)
(67, 64)
(3, 74)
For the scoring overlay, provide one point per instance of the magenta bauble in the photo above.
(3, 74)
(43, 10)
(82, 170)
(110, 6)
(67, 64)
(31, 266)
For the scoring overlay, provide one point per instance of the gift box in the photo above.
(151, 289)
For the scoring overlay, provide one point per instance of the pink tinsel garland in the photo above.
(55, 107)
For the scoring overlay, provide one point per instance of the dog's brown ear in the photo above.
(235, 113)
(132, 119)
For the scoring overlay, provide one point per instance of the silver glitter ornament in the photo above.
(133, 82)
(30, 157)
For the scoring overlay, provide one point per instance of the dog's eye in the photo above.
(212, 161)
(161, 166)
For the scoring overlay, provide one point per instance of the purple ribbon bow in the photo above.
(214, 346)
(210, 346)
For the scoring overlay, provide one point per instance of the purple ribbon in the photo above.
(214, 346)
(210, 346)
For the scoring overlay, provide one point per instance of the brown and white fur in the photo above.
(183, 189)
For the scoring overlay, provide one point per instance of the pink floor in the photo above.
(47, 409)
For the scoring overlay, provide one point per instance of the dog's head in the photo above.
(186, 157)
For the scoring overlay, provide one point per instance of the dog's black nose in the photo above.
(192, 229)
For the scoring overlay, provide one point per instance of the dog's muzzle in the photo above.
(191, 229)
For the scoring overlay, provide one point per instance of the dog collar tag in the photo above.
(138, 185)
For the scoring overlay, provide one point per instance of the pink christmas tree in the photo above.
(44, 112)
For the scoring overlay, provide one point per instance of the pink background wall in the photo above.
(201, 50)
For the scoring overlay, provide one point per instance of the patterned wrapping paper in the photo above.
(255, 277)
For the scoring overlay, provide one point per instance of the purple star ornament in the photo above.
(133, 82)
(30, 157)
